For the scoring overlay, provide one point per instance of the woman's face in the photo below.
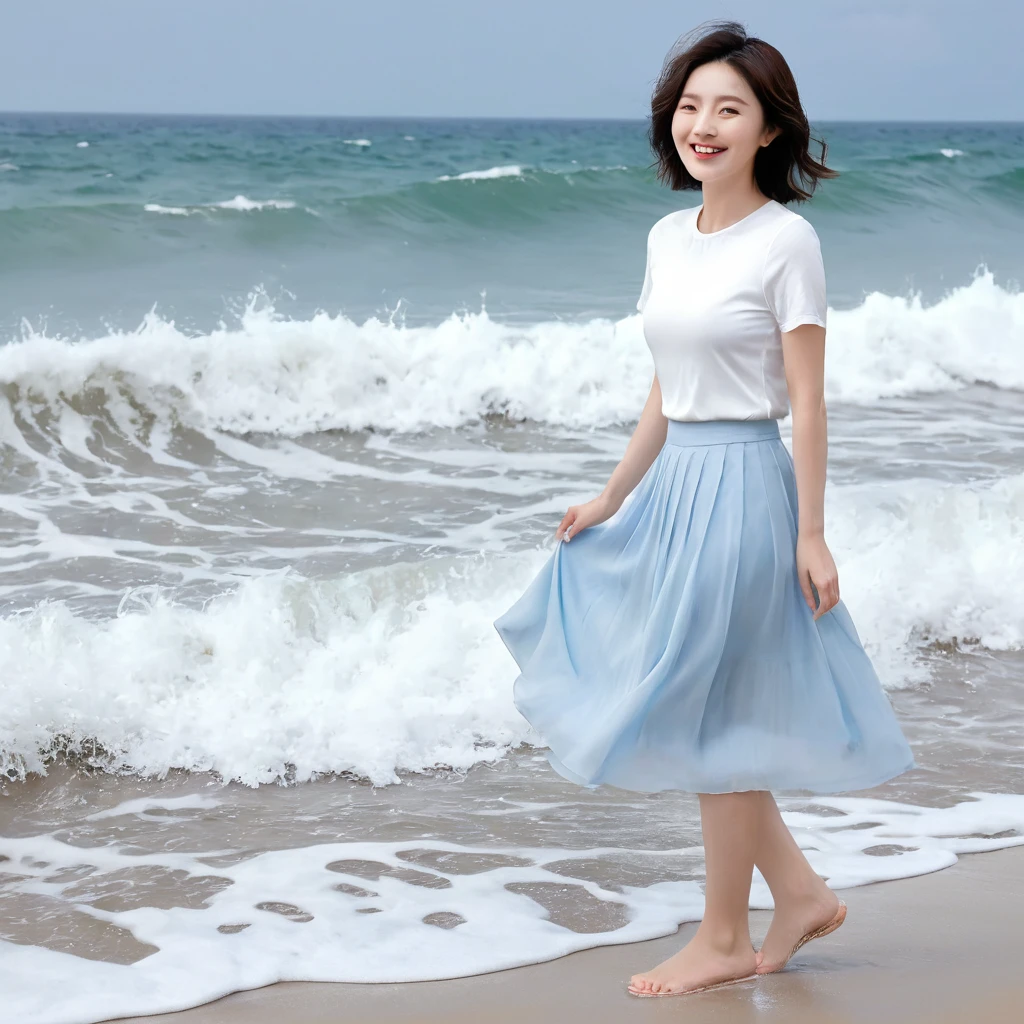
(718, 109)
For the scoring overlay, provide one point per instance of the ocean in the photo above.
(290, 411)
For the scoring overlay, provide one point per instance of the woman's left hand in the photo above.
(814, 565)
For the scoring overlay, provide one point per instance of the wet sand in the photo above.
(941, 948)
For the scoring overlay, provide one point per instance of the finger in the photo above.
(805, 586)
(830, 597)
(568, 526)
(566, 521)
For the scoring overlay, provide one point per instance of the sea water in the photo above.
(290, 412)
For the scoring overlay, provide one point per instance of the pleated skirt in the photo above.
(671, 647)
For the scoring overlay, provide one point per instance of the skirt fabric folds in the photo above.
(670, 647)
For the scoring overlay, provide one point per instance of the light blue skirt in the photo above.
(670, 647)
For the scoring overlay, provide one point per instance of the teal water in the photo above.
(289, 412)
(534, 220)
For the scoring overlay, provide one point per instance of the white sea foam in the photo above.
(358, 142)
(893, 345)
(595, 167)
(244, 203)
(289, 377)
(162, 686)
(300, 914)
(8, 167)
(82, 145)
(179, 211)
(239, 202)
(952, 152)
(922, 560)
(394, 668)
(398, 668)
(509, 171)
(143, 806)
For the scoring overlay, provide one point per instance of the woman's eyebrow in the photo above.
(718, 99)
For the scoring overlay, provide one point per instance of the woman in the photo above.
(697, 640)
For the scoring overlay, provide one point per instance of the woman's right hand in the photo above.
(579, 517)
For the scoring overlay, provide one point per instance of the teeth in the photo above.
(707, 149)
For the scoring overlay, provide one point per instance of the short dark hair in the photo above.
(778, 165)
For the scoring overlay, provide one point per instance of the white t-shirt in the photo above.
(715, 306)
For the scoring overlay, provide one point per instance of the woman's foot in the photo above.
(698, 964)
(792, 920)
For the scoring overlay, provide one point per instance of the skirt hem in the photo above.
(851, 785)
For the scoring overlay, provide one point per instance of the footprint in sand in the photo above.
(372, 870)
(354, 890)
(232, 929)
(444, 919)
(287, 910)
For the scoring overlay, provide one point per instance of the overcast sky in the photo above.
(853, 59)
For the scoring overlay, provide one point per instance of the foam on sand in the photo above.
(407, 911)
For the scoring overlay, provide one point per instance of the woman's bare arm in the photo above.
(647, 440)
(803, 350)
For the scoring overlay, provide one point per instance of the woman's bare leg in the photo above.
(802, 900)
(721, 948)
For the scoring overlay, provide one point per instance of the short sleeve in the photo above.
(648, 281)
(794, 276)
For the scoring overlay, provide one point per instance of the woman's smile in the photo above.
(707, 152)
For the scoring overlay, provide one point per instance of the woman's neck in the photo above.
(726, 205)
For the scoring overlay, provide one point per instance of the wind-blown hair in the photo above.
(782, 168)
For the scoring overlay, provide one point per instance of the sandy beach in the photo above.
(937, 949)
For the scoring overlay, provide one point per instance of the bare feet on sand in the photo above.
(792, 920)
(699, 964)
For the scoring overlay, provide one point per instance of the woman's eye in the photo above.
(689, 106)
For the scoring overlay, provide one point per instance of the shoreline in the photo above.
(939, 948)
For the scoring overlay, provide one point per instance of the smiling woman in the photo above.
(697, 641)
(722, 108)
